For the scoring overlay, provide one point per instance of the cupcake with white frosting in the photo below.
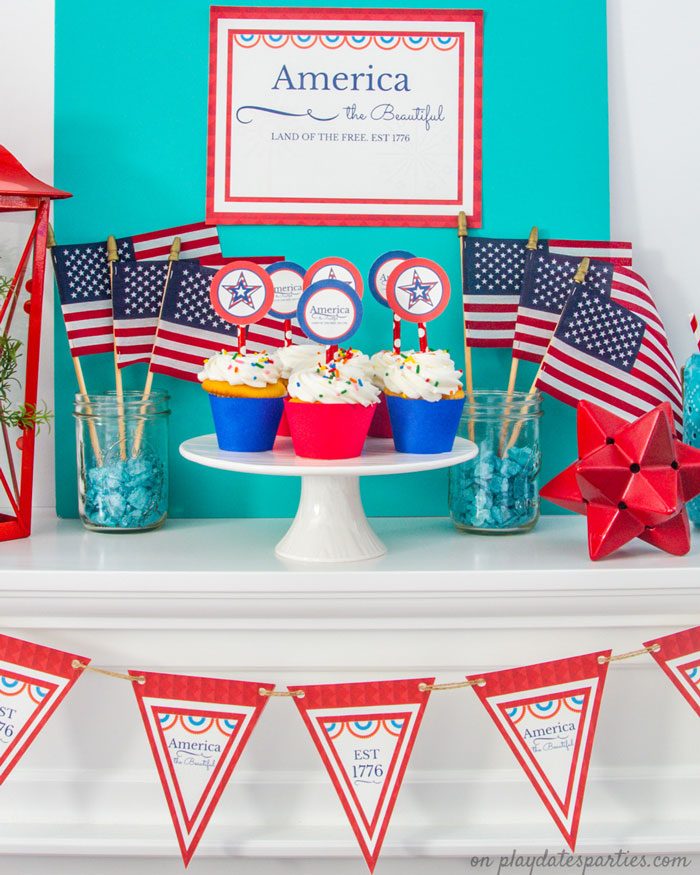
(245, 392)
(329, 411)
(425, 398)
(381, 424)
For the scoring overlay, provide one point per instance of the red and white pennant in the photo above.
(547, 714)
(364, 733)
(679, 657)
(197, 729)
(33, 682)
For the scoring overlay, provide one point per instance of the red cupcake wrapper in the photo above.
(328, 431)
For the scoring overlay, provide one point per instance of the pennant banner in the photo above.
(364, 733)
(197, 729)
(679, 657)
(547, 714)
(33, 682)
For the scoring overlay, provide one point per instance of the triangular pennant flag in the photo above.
(679, 657)
(33, 682)
(365, 733)
(547, 713)
(197, 729)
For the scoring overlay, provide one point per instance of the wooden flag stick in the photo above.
(112, 257)
(82, 388)
(579, 277)
(531, 246)
(173, 256)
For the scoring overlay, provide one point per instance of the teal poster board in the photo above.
(130, 142)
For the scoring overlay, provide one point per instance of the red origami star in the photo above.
(632, 480)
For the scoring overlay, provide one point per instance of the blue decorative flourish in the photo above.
(308, 113)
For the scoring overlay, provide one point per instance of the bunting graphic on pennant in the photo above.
(197, 729)
(33, 681)
(679, 657)
(364, 733)
(547, 713)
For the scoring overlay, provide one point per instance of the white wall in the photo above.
(26, 129)
(654, 87)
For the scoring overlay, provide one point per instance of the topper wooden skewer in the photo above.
(173, 256)
(82, 388)
(112, 257)
(531, 246)
(463, 231)
(579, 277)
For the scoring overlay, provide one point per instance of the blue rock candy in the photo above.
(126, 493)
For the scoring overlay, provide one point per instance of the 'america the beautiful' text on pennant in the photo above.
(364, 733)
(547, 713)
(33, 681)
(197, 729)
(679, 657)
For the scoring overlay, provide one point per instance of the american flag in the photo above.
(136, 296)
(600, 352)
(494, 269)
(82, 277)
(190, 331)
(197, 241)
(546, 288)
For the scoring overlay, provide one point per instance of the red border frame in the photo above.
(674, 646)
(414, 15)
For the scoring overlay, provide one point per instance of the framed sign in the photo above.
(344, 116)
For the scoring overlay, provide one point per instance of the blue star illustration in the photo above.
(418, 291)
(241, 292)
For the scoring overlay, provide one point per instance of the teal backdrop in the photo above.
(131, 125)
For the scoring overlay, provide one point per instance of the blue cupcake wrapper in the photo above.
(424, 426)
(246, 425)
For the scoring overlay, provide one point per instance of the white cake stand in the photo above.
(330, 524)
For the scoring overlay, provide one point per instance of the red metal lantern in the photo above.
(22, 192)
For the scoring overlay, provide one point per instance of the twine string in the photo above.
(294, 694)
(134, 678)
(457, 685)
(653, 648)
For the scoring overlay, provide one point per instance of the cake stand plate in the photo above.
(330, 524)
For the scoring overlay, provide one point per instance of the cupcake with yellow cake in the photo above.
(245, 392)
(329, 412)
(425, 398)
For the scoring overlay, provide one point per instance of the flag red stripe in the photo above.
(90, 332)
(80, 316)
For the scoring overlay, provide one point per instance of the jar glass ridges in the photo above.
(691, 419)
(122, 461)
(497, 492)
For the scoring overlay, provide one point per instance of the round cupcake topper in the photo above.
(242, 292)
(288, 282)
(381, 270)
(418, 290)
(329, 312)
(339, 269)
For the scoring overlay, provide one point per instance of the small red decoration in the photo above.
(632, 480)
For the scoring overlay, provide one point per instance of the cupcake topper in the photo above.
(329, 312)
(335, 269)
(378, 276)
(242, 293)
(418, 290)
(288, 282)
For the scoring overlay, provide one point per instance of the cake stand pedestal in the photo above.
(330, 524)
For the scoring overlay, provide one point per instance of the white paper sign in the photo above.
(362, 117)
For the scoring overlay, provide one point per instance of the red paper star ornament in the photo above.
(632, 480)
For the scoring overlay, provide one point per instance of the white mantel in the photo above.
(209, 597)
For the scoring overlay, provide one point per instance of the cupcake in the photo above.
(245, 391)
(381, 424)
(329, 413)
(425, 399)
(297, 357)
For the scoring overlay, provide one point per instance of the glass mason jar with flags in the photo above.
(497, 492)
(691, 419)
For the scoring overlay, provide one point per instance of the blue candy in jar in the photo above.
(691, 419)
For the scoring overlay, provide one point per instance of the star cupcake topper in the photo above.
(242, 293)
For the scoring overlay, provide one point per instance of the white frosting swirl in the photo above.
(350, 363)
(382, 361)
(240, 369)
(326, 386)
(428, 375)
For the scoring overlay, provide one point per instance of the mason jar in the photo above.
(497, 491)
(122, 447)
(691, 419)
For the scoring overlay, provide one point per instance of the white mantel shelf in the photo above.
(219, 572)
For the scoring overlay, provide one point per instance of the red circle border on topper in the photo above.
(261, 274)
(340, 262)
(413, 264)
